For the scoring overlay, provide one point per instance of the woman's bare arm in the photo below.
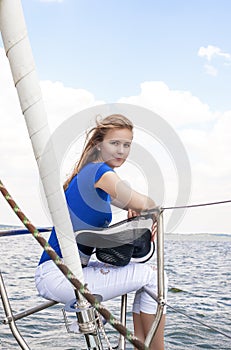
(123, 196)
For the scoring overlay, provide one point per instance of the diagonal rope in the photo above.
(197, 205)
(198, 321)
(69, 275)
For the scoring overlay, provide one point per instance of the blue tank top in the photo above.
(89, 207)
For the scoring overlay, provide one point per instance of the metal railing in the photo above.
(11, 318)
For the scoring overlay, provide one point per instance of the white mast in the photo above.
(19, 53)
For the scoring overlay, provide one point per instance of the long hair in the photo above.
(94, 137)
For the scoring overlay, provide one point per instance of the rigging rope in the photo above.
(198, 321)
(69, 275)
(196, 205)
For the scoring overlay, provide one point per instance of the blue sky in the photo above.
(170, 56)
(110, 47)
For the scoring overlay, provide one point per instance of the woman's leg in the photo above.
(144, 309)
(138, 327)
(113, 281)
(124, 280)
(52, 284)
(109, 282)
(142, 324)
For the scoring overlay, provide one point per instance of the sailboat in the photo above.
(87, 307)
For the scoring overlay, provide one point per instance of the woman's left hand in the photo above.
(132, 213)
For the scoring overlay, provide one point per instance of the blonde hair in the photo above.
(94, 137)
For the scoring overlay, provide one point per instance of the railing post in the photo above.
(123, 311)
(160, 298)
(9, 314)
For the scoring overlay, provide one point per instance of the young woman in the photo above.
(90, 190)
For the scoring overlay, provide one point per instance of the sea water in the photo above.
(199, 272)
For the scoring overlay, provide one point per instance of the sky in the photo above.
(172, 57)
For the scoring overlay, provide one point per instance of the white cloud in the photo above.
(211, 52)
(62, 102)
(178, 107)
(211, 70)
(211, 149)
(205, 134)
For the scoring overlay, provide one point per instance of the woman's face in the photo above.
(116, 146)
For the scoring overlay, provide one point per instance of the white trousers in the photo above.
(105, 280)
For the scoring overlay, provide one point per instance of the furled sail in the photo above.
(18, 51)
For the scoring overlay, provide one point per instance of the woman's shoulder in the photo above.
(103, 168)
(96, 169)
